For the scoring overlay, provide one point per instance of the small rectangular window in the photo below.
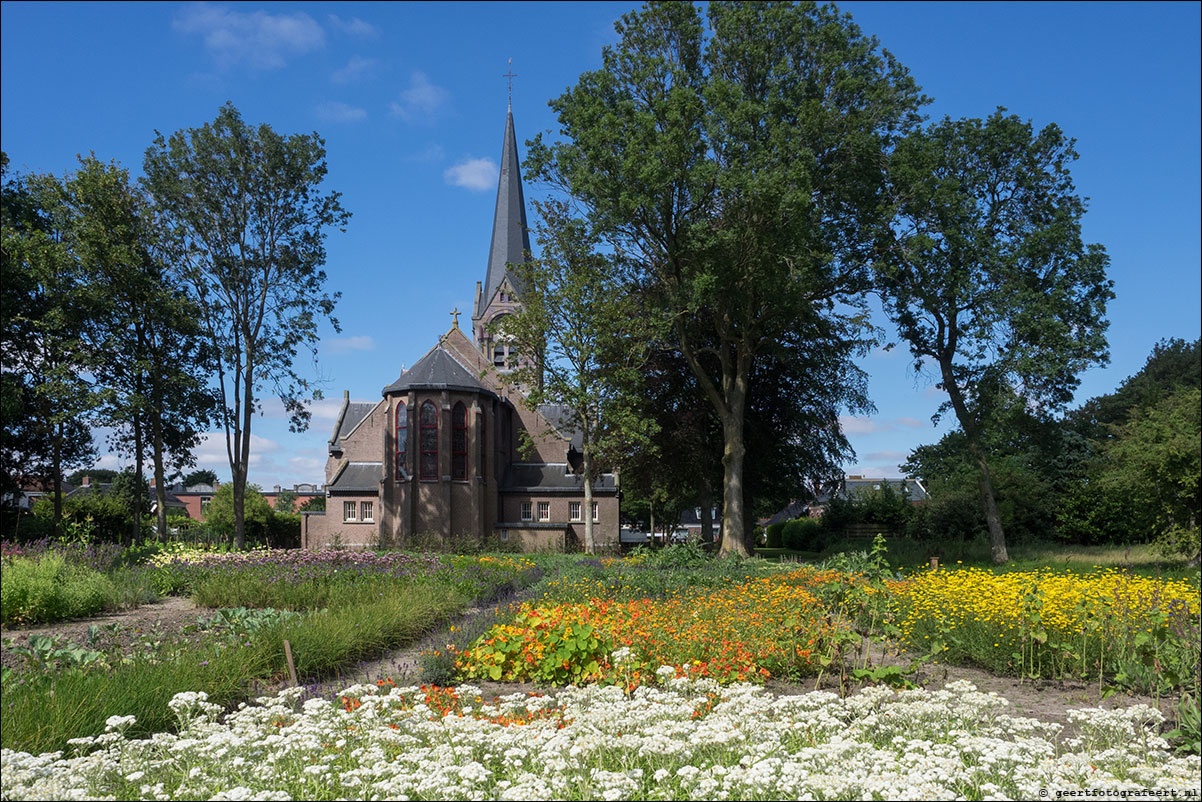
(574, 511)
(204, 505)
(527, 511)
(348, 511)
(596, 518)
(366, 512)
(544, 510)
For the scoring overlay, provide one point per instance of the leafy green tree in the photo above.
(256, 512)
(142, 337)
(315, 504)
(48, 405)
(739, 166)
(987, 278)
(285, 501)
(1172, 365)
(1159, 451)
(201, 477)
(249, 220)
(94, 474)
(579, 322)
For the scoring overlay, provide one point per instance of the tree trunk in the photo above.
(707, 513)
(972, 433)
(58, 481)
(136, 534)
(240, 471)
(590, 543)
(733, 453)
(160, 473)
(730, 402)
(651, 516)
(993, 519)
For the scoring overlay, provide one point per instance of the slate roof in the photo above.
(352, 414)
(357, 477)
(914, 489)
(794, 509)
(560, 417)
(438, 370)
(551, 478)
(510, 235)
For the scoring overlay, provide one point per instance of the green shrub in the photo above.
(774, 535)
(50, 589)
(803, 534)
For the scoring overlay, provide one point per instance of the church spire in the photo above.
(510, 238)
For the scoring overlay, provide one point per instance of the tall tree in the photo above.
(579, 323)
(142, 337)
(741, 168)
(43, 350)
(1159, 451)
(1173, 364)
(988, 278)
(201, 477)
(250, 220)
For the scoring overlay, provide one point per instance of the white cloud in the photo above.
(474, 174)
(210, 453)
(911, 423)
(259, 39)
(421, 101)
(354, 26)
(342, 345)
(109, 462)
(856, 425)
(336, 111)
(430, 154)
(326, 409)
(878, 470)
(887, 456)
(356, 68)
(308, 465)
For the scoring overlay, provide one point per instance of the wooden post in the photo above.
(934, 566)
(291, 665)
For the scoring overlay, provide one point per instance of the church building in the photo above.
(451, 450)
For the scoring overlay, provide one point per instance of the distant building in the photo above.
(195, 499)
(852, 486)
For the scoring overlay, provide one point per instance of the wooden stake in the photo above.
(291, 665)
(934, 566)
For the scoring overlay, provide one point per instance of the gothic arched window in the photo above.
(402, 440)
(459, 442)
(429, 441)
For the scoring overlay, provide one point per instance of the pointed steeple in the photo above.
(510, 239)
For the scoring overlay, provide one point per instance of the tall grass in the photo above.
(47, 588)
(41, 712)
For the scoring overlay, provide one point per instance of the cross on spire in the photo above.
(455, 317)
(510, 75)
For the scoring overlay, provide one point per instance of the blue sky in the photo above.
(410, 99)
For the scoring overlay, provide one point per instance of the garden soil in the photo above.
(1046, 700)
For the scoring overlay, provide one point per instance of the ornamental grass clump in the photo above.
(46, 588)
(691, 739)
